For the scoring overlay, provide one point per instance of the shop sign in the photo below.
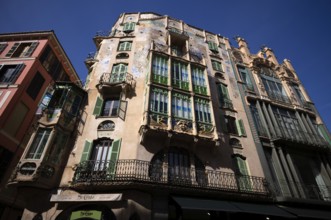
(86, 214)
(86, 197)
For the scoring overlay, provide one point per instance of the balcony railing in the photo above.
(305, 191)
(180, 84)
(115, 78)
(300, 136)
(227, 104)
(111, 173)
(279, 97)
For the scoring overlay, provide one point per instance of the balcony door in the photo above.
(179, 166)
(101, 154)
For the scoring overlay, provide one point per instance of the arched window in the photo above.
(156, 166)
(107, 125)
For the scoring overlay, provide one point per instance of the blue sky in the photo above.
(299, 30)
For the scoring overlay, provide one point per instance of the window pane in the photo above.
(38, 144)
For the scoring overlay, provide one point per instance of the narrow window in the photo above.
(181, 106)
(124, 46)
(39, 143)
(217, 66)
(179, 73)
(160, 69)
(198, 80)
(35, 85)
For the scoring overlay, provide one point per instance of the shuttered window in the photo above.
(125, 46)
(213, 46)
(217, 66)
(128, 27)
(110, 107)
(23, 49)
(10, 73)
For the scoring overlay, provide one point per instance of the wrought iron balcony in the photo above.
(227, 104)
(303, 191)
(116, 78)
(279, 97)
(300, 136)
(102, 173)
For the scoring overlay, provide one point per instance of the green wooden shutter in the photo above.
(113, 156)
(86, 151)
(324, 133)
(31, 49)
(98, 106)
(12, 50)
(17, 72)
(121, 46)
(122, 109)
(241, 163)
(240, 127)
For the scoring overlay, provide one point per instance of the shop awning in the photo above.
(262, 209)
(205, 204)
(308, 213)
(219, 205)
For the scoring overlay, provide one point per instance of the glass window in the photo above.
(3, 47)
(231, 124)
(160, 69)
(38, 145)
(181, 106)
(35, 86)
(217, 66)
(110, 107)
(159, 101)
(202, 110)
(118, 73)
(10, 73)
(22, 49)
(198, 80)
(128, 27)
(213, 46)
(124, 46)
(180, 75)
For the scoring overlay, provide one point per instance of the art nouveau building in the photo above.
(292, 141)
(29, 63)
(167, 131)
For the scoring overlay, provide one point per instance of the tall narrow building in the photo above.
(29, 63)
(291, 138)
(168, 132)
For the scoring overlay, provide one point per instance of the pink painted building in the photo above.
(29, 63)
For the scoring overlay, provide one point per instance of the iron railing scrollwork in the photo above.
(109, 172)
